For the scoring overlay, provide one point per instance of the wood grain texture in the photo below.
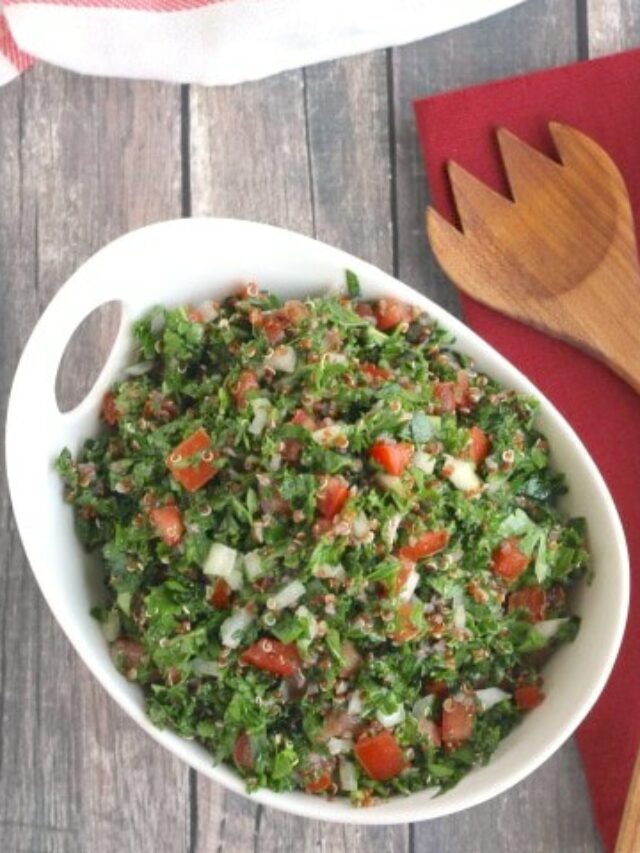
(80, 162)
(612, 26)
(561, 256)
(330, 150)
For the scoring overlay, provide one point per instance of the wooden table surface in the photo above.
(330, 151)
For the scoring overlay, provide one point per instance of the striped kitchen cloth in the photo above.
(214, 42)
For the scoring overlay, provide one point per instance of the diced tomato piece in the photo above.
(318, 784)
(194, 314)
(247, 381)
(528, 696)
(380, 756)
(128, 653)
(480, 445)
(430, 730)
(301, 418)
(364, 309)
(221, 594)
(439, 688)
(531, 599)
(273, 328)
(332, 496)
(109, 412)
(462, 395)
(425, 545)
(390, 312)
(393, 456)
(243, 752)
(445, 395)
(375, 373)
(168, 523)
(404, 628)
(457, 722)
(191, 462)
(273, 656)
(508, 561)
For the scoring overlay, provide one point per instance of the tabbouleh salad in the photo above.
(330, 545)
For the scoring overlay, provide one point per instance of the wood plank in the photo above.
(325, 173)
(80, 162)
(534, 35)
(612, 26)
(550, 811)
(248, 152)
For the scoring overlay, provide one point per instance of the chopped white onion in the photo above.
(550, 627)
(459, 617)
(261, 408)
(409, 586)
(208, 310)
(111, 626)
(334, 358)
(392, 719)
(390, 529)
(303, 612)
(234, 626)
(205, 667)
(424, 461)
(390, 483)
(282, 359)
(288, 595)
(325, 571)
(490, 696)
(361, 526)
(328, 435)
(275, 462)
(139, 369)
(253, 565)
(348, 777)
(221, 563)
(338, 745)
(354, 707)
(423, 706)
(462, 474)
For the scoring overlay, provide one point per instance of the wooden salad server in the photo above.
(560, 256)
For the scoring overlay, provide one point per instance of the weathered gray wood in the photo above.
(612, 26)
(80, 162)
(83, 160)
(550, 811)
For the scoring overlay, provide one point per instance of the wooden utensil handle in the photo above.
(629, 834)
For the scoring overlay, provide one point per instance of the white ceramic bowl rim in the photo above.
(189, 260)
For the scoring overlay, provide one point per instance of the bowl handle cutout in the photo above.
(85, 356)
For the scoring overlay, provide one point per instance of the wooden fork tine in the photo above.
(475, 201)
(521, 161)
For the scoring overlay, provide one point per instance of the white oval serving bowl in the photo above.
(187, 261)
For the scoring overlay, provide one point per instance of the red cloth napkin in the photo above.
(601, 98)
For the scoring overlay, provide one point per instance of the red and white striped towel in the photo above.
(214, 41)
